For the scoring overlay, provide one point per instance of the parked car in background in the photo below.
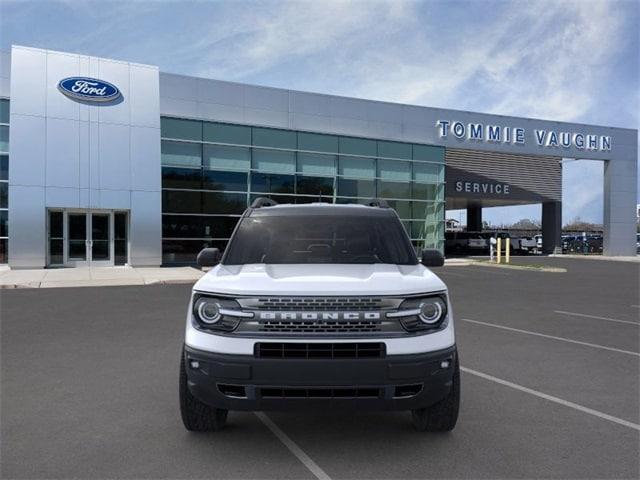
(471, 243)
(538, 247)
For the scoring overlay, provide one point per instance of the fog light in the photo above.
(194, 364)
(444, 364)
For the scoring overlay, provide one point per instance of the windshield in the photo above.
(320, 239)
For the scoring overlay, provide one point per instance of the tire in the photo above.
(198, 416)
(442, 416)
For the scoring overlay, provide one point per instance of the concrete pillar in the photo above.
(551, 226)
(474, 218)
(620, 198)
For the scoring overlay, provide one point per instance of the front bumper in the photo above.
(244, 382)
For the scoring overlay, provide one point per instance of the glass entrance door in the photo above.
(100, 243)
(87, 238)
(77, 240)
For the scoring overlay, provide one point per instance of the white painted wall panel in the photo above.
(213, 91)
(224, 113)
(59, 66)
(28, 228)
(94, 155)
(28, 81)
(84, 148)
(264, 98)
(118, 74)
(270, 118)
(63, 153)
(145, 155)
(115, 157)
(62, 197)
(27, 142)
(144, 98)
(310, 103)
(146, 228)
(115, 199)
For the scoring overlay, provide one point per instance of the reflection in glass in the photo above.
(181, 153)
(356, 188)
(227, 158)
(190, 178)
(77, 236)
(216, 180)
(4, 167)
(100, 237)
(3, 251)
(120, 242)
(314, 186)
(271, 183)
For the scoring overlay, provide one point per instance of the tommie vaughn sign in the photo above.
(478, 132)
(88, 89)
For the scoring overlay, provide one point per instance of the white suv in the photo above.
(319, 305)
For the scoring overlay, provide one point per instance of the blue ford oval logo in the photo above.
(89, 89)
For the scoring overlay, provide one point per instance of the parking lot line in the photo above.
(562, 339)
(574, 314)
(551, 398)
(293, 447)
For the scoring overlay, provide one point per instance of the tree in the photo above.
(579, 225)
(525, 224)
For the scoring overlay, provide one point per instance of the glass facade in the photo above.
(4, 180)
(212, 171)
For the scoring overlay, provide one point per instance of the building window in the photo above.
(227, 158)
(181, 154)
(212, 171)
(4, 181)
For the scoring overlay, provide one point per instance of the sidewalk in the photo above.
(635, 259)
(96, 277)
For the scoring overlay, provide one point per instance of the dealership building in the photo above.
(107, 162)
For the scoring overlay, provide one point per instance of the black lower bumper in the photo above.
(241, 382)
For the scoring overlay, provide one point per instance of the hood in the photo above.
(320, 279)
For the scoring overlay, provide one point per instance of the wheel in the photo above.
(198, 416)
(442, 416)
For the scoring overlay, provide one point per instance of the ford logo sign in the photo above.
(89, 89)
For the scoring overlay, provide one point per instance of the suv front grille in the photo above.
(320, 350)
(319, 304)
(320, 326)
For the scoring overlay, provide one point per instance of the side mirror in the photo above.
(208, 257)
(432, 258)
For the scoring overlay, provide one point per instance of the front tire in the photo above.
(198, 416)
(442, 416)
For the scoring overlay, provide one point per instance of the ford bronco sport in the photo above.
(319, 305)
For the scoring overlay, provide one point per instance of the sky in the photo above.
(558, 60)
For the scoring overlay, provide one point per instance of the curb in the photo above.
(97, 283)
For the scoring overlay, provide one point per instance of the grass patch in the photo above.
(532, 266)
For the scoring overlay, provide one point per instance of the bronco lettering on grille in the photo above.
(319, 315)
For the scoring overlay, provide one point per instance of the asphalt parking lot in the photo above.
(550, 388)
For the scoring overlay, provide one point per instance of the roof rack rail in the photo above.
(377, 202)
(263, 202)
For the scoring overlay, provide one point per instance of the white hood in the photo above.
(320, 279)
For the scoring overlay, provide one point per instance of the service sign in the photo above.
(88, 89)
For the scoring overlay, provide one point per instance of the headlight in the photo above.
(215, 313)
(431, 310)
(208, 310)
(426, 313)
